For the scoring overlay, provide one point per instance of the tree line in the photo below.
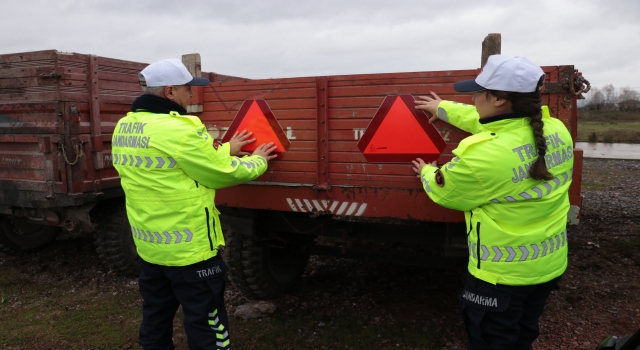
(610, 98)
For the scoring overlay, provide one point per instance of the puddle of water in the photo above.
(610, 150)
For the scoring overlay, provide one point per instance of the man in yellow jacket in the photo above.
(170, 167)
(511, 178)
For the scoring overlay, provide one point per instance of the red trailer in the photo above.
(57, 114)
(322, 197)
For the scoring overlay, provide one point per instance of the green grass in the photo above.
(55, 310)
(618, 132)
(608, 126)
(43, 316)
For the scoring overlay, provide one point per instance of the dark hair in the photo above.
(530, 105)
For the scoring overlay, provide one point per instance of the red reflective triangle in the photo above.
(256, 116)
(400, 133)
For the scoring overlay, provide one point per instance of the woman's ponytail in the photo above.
(530, 105)
(538, 169)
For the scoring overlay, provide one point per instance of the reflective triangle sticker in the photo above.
(256, 116)
(399, 133)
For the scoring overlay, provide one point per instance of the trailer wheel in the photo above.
(114, 242)
(18, 235)
(259, 271)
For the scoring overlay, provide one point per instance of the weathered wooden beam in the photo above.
(491, 45)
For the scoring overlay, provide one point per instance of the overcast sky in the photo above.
(271, 39)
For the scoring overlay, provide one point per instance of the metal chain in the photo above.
(78, 149)
(580, 85)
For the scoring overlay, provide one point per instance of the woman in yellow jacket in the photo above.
(511, 178)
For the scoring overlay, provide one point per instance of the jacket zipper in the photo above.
(206, 211)
(478, 248)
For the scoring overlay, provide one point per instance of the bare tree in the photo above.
(596, 99)
(610, 96)
(627, 93)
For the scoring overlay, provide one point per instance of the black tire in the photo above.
(18, 235)
(258, 271)
(114, 241)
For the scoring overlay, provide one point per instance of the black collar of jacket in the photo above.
(155, 104)
(498, 117)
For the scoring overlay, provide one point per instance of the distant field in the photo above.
(608, 126)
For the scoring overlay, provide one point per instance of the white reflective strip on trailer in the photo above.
(293, 206)
(300, 206)
(342, 208)
(361, 210)
(306, 201)
(352, 208)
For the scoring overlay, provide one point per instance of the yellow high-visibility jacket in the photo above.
(516, 225)
(169, 170)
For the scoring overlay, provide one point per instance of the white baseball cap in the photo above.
(169, 72)
(505, 73)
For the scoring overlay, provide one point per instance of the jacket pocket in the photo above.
(478, 246)
(208, 217)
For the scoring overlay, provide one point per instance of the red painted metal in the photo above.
(322, 134)
(390, 191)
(52, 101)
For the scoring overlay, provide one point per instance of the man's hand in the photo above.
(265, 151)
(418, 164)
(238, 141)
(429, 104)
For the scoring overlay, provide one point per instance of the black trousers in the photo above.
(500, 317)
(199, 288)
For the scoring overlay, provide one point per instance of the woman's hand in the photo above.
(429, 104)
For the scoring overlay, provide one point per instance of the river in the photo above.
(610, 150)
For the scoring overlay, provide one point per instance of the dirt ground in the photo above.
(418, 307)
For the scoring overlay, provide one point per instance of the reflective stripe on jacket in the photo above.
(516, 225)
(169, 170)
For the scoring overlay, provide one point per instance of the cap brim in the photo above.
(198, 82)
(467, 86)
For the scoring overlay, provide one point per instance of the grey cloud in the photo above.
(277, 38)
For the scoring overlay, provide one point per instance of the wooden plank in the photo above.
(280, 114)
(351, 146)
(355, 91)
(352, 113)
(267, 82)
(302, 146)
(215, 88)
(491, 45)
(29, 96)
(371, 168)
(118, 77)
(234, 105)
(106, 63)
(292, 166)
(405, 75)
(28, 56)
(25, 72)
(268, 95)
(120, 85)
(288, 177)
(385, 181)
(440, 80)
